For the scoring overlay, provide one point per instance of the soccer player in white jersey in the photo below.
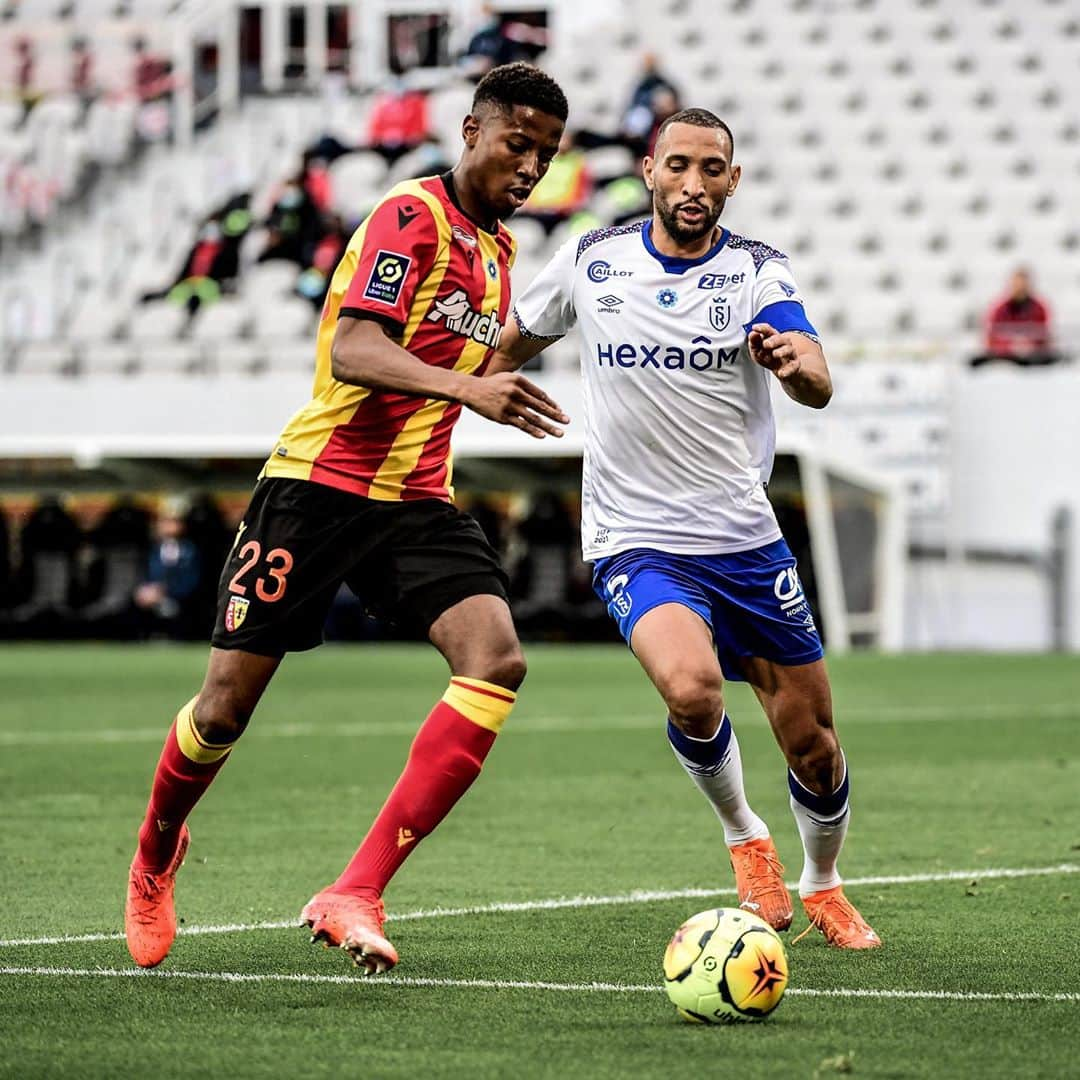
(683, 324)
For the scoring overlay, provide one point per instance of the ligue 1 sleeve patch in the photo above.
(387, 277)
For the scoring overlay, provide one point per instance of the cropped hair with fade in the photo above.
(697, 118)
(520, 84)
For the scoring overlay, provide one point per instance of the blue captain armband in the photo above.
(784, 316)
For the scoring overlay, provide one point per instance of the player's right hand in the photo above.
(509, 398)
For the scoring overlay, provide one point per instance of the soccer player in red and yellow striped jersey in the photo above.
(358, 489)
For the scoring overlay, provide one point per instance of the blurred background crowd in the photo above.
(179, 180)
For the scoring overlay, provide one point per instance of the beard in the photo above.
(681, 232)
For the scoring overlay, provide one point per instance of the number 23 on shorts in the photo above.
(277, 563)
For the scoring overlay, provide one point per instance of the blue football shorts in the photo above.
(753, 601)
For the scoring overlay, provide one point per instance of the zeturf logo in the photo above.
(461, 318)
(600, 270)
(718, 281)
(669, 358)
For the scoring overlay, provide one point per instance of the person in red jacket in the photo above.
(1018, 326)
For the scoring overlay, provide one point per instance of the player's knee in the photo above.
(695, 701)
(503, 667)
(220, 718)
(814, 757)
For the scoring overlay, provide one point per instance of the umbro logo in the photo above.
(406, 215)
(609, 303)
(405, 836)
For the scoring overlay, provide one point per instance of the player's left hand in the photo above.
(775, 350)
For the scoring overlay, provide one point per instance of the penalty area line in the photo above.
(637, 896)
(415, 982)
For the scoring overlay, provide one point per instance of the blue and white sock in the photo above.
(715, 766)
(823, 823)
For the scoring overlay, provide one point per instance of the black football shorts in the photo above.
(299, 540)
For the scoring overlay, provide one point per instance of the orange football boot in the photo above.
(839, 920)
(149, 914)
(353, 924)
(759, 880)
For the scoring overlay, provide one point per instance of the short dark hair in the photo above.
(699, 118)
(520, 84)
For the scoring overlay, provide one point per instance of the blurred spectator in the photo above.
(665, 103)
(206, 528)
(294, 222)
(541, 585)
(152, 83)
(317, 183)
(1018, 327)
(211, 264)
(49, 543)
(398, 121)
(117, 555)
(564, 190)
(151, 73)
(82, 70)
(165, 598)
(501, 39)
(314, 280)
(25, 77)
(639, 119)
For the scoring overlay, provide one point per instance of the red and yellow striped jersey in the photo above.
(421, 266)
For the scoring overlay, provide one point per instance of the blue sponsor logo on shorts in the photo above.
(621, 600)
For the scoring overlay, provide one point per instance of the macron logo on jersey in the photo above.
(461, 318)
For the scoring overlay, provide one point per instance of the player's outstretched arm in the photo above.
(796, 360)
(364, 355)
(515, 349)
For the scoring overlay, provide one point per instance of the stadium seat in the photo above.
(286, 319)
(108, 358)
(270, 280)
(292, 358)
(236, 357)
(356, 178)
(224, 321)
(157, 321)
(46, 358)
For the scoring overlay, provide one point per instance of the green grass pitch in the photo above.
(959, 765)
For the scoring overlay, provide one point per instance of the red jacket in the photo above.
(1018, 327)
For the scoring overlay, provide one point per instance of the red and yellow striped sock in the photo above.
(187, 765)
(446, 757)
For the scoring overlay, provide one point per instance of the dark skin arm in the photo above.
(796, 360)
(516, 350)
(364, 355)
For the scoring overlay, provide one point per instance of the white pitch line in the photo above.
(525, 724)
(637, 896)
(507, 984)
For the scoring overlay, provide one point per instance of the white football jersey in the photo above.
(679, 431)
